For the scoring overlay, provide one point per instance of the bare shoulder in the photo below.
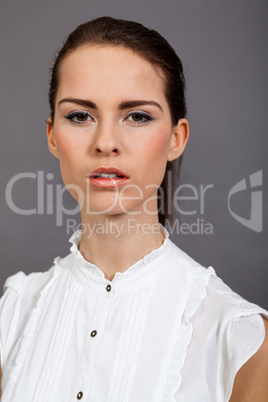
(251, 381)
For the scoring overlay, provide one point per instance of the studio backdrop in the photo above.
(222, 194)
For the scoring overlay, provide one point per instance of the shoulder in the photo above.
(27, 285)
(21, 294)
(27, 288)
(20, 280)
(231, 321)
(209, 297)
(21, 290)
(234, 332)
(212, 298)
(223, 303)
(229, 332)
(251, 380)
(35, 282)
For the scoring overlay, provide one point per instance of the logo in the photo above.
(255, 220)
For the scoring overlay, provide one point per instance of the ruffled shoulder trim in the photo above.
(197, 294)
(244, 335)
(229, 303)
(226, 305)
(15, 281)
(23, 283)
(29, 282)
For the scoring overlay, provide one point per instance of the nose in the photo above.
(107, 139)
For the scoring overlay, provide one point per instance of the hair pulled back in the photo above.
(151, 46)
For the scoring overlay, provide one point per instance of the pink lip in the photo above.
(105, 182)
(111, 169)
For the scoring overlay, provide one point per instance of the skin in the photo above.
(108, 76)
(251, 381)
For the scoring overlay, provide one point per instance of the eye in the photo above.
(78, 117)
(138, 117)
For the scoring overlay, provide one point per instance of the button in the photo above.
(93, 333)
(80, 395)
(108, 288)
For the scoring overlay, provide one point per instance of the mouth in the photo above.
(107, 177)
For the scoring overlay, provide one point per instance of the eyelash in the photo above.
(71, 116)
(145, 116)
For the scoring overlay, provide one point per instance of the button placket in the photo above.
(94, 336)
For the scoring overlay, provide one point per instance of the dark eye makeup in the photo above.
(78, 117)
(82, 117)
(139, 117)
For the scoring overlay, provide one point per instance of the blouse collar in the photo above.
(75, 240)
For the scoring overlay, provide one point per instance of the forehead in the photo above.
(110, 71)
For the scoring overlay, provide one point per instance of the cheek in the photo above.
(69, 148)
(157, 146)
(70, 154)
(64, 146)
(153, 157)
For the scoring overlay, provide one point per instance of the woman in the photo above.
(127, 315)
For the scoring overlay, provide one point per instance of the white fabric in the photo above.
(169, 330)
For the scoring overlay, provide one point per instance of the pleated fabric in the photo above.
(165, 330)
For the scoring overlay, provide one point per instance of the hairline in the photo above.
(159, 71)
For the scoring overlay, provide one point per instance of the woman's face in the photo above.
(111, 112)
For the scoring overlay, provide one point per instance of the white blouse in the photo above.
(165, 330)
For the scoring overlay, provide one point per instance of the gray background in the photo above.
(223, 46)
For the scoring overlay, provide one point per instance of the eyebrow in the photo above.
(123, 105)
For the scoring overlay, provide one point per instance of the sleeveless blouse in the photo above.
(165, 330)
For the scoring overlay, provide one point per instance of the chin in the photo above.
(109, 209)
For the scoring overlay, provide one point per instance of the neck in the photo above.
(116, 242)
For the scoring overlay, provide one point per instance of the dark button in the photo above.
(93, 333)
(108, 288)
(80, 395)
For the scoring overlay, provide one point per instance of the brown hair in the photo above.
(151, 46)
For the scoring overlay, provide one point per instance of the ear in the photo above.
(178, 139)
(51, 139)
